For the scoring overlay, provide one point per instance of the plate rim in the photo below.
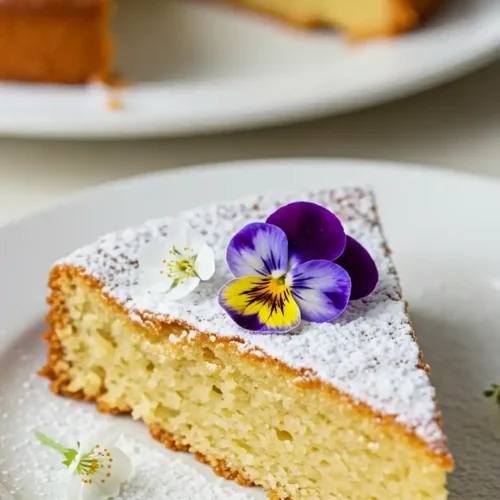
(116, 185)
(288, 114)
(260, 111)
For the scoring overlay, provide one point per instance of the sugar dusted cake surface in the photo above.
(369, 353)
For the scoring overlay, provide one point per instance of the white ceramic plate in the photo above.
(442, 227)
(200, 67)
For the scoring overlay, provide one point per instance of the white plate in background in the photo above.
(202, 67)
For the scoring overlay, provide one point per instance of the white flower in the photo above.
(97, 469)
(175, 266)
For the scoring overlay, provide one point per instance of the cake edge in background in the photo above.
(70, 42)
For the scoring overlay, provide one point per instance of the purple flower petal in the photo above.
(261, 304)
(313, 232)
(361, 268)
(321, 290)
(258, 249)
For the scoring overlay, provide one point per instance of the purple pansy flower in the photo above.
(299, 264)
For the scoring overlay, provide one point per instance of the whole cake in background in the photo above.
(267, 336)
(70, 41)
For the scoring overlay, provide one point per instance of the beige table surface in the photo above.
(455, 127)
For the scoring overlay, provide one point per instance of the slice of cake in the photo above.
(288, 380)
(359, 19)
(61, 41)
(69, 41)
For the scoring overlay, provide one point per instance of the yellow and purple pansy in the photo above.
(298, 265)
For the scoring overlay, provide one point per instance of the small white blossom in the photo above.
(176, 265)
(97, 468)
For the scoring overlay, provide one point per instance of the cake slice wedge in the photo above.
(341, 410)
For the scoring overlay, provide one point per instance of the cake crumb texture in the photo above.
(250, 422)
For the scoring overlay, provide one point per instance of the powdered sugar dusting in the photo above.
(368, 353)
(157, 476)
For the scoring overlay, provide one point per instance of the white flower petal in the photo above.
(179, 234)
(98, 491)
(105, 436)
(150, 279)
(74, 487)
(183, 289)
(105, 481)
(205, 262)
(122, 466)
(152, 254)
(196, 241)
(152, 268)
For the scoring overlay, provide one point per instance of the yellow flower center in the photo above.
(181, 265)
(271, 291)
(186, 267)
(281, 280)
(96, 463)
(267, 300)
